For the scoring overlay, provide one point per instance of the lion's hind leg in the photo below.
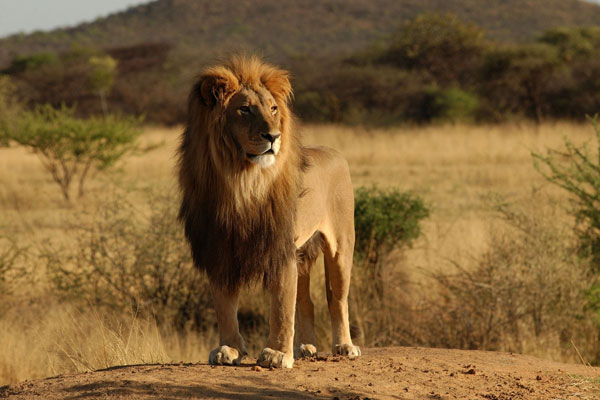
(338, 266)
(305, 339)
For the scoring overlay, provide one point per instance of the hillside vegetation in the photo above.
(382, 62)
(433, 68)
(283, 29)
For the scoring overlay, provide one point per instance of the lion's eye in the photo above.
(274, 110)
(244, 109)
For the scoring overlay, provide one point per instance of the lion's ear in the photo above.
(278, 83)
(216, 87)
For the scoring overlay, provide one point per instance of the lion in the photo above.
(259, 206)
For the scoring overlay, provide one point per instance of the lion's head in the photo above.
(240, 170)
(244, 104)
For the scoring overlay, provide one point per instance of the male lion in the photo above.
(257, 205)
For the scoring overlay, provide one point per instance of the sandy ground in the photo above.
(382, 373)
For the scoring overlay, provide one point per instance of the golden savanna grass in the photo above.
(454, 168)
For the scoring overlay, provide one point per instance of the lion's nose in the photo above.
(271, 137)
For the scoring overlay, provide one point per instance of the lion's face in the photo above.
(253, 120)
(242, 107)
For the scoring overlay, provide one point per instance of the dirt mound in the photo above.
(398, 373)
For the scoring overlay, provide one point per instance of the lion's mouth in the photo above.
(264, 159)
(270, 151)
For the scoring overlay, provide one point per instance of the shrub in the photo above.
(528, 288)
(577, 170)
(125, 259)
(451, 105)
(385, 221)
(68, 147)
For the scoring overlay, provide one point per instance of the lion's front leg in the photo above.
(279, 352)
(231, 348)
(304, 340)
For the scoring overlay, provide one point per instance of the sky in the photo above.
(30, 15)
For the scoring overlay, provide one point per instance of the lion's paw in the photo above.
(346, 350)
(225, 355)
(270, 358)
(305, 351)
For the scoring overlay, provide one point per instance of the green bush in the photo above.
(386, 222)
(451, 105)
(577, 170)
(69, 147)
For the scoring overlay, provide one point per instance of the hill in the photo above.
(384, 373)
(340, 53)
(204, 28)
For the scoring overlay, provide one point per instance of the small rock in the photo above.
(257, 368)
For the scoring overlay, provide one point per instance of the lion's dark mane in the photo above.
(232, 255)
(236, 246)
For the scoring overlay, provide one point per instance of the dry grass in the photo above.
(54, 338)
(453, 168)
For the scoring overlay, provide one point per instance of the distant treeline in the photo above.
(140, 83)
(434, 68)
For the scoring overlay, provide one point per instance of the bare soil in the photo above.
(382, 373)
